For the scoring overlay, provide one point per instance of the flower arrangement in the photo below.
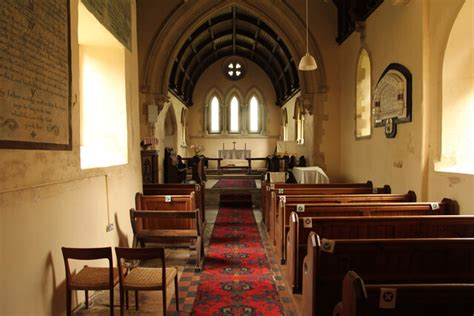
(197, 148)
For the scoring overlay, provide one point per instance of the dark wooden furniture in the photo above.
(249, 161)
(184, 202)
(351, 227)
(90, 278)
(408, 260)
(174, 170)
(266, 193)
(174, 231)
(273, 163)
(180, 189)
(404, 299)
(295, 203)
(150, 160)
(277, 189)
(145, 279)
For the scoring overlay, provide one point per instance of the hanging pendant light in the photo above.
(307, 62)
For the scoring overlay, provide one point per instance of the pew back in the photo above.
(439, 226)
(275, 193)
(410, 299)
(420, 260)
(179, 189)
(185, 202)
(266, 187)
(446, 207)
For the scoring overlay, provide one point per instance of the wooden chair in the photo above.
(90, 278)
(144, 278)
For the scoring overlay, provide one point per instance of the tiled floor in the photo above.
(150, 302)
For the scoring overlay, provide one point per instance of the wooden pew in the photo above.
(446, 207)
(300, 199)
(266, 188)
(420, 260)
(275, 193)
(179, 189)
(364, 227)
(185, 202)
(409, 299)
(171, 233)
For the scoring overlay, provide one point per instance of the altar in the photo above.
(234, 153)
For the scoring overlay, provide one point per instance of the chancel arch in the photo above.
(158, 71)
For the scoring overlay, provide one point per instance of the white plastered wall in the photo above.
(47, 201)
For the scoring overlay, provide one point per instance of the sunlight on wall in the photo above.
(458, 96)
(363, 95)
(103, 98)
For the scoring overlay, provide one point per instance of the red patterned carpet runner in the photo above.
(235, 183)
(236, 279)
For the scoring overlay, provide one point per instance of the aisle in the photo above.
(236, 279)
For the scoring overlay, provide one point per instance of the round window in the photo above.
(234, 68)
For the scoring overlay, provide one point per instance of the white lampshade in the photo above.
(307, 62)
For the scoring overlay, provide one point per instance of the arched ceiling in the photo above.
(234, 32)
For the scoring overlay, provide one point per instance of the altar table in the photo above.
(234, 153)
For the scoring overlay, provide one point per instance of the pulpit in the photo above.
(150, 166)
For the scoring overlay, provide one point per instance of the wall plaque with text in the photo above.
(35, 75)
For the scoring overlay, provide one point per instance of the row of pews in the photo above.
(340, 244)
(170, 214)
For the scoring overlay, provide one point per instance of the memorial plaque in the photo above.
(35, 76)
(392, 102)
(115, 16)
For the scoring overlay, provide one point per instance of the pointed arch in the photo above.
(213, 110)
(257, 117)
(233, 111)
(363, 94)
(458, 95)
(187, 18)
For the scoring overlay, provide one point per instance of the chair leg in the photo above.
(136, 300)
(68, 301)
(87, 298)
(111, 299)
(126, 299)
(164, 298)
(176, 290)
(121, 300)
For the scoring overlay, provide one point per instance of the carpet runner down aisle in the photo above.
(236, 279)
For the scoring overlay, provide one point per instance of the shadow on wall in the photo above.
(123, 237)
(58, 301)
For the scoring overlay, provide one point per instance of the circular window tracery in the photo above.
(234, 69)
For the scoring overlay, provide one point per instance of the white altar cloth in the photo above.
(234, 153)
(312, 174)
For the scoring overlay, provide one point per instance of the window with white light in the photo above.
(215, 115)
(254, 114)
(363, 96)
(234, 115)
(234, 68)
(457, 143)
(103, 107)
